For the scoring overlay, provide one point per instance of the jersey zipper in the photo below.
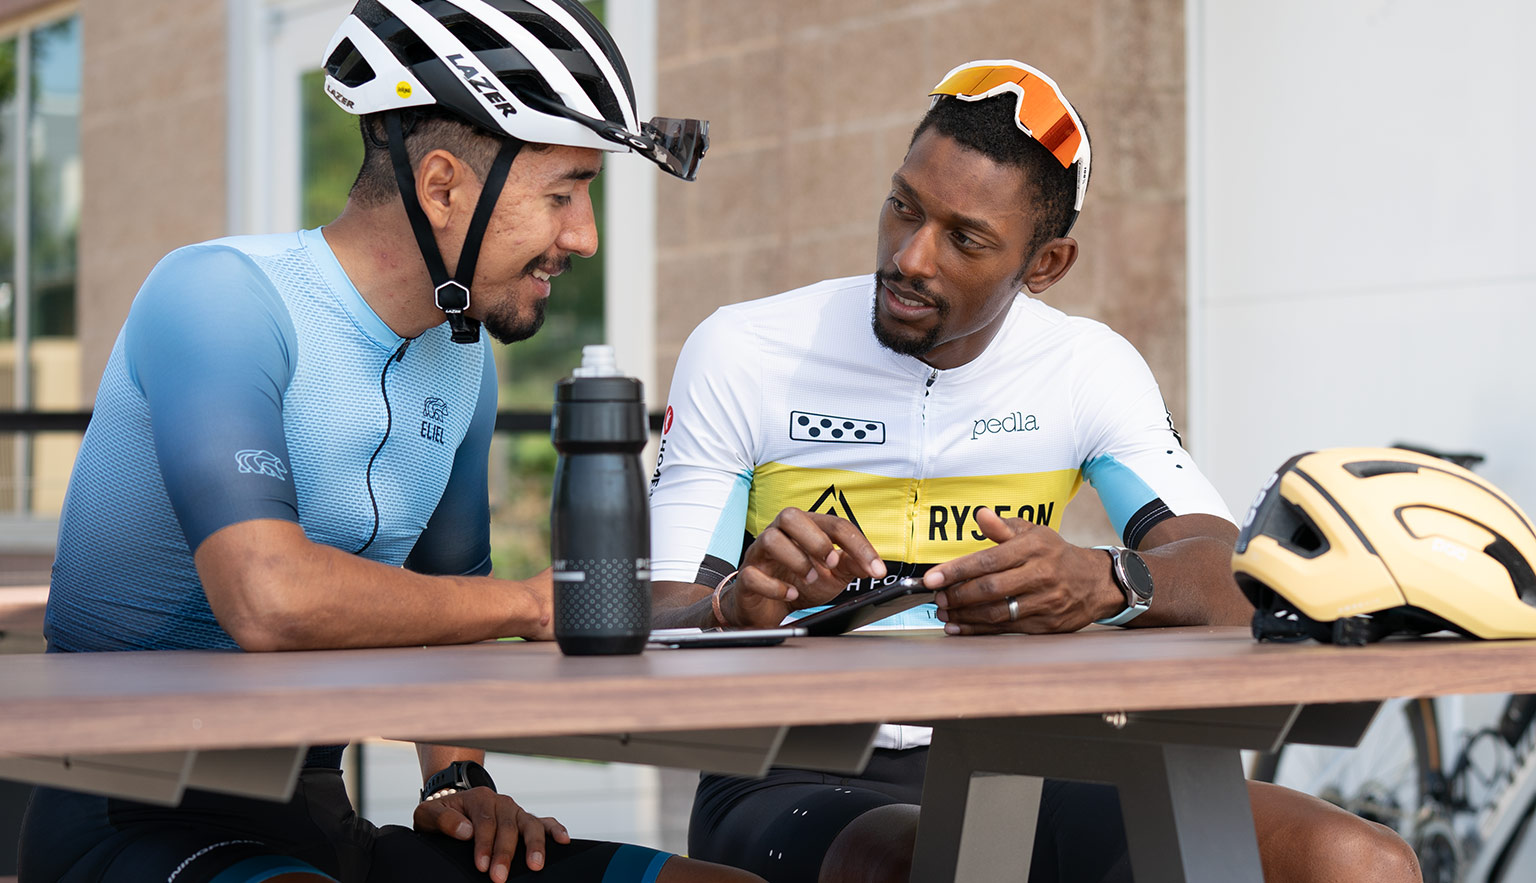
(913, 522)
(389, 422)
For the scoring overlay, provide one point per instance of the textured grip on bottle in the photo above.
(598, 596)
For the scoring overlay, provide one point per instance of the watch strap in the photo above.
(461, 775)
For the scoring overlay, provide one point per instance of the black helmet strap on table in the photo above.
(451, 292)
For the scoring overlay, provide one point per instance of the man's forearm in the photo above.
(677, 605)
(1192, 575)
(273, 589)
(434, 758)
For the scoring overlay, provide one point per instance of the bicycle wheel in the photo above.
(1383, 779)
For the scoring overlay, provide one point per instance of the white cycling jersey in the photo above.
(791, 401)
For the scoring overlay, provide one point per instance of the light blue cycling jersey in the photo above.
(251, 380)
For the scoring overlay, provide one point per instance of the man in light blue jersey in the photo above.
(934, 420)
(289, 448)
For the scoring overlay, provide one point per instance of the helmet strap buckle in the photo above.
(451, 297)
(450, 292)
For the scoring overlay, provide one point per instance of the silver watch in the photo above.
(1134, 579)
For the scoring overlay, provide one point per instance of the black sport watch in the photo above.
(461, 775)
(1134, 579)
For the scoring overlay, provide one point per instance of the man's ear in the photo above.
(443, 185)
(1051, 263)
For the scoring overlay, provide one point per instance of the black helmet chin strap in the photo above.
(451, 292)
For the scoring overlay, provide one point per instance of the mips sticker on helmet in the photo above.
(403, 89)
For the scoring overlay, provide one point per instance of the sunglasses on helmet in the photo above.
(677, 145)
(1043, 113)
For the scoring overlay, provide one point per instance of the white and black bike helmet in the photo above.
(541, 71)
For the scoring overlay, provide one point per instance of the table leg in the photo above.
(976, 827)
(1187, 816)
(1186, 806)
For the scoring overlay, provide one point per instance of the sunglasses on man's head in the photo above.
(1043, 113)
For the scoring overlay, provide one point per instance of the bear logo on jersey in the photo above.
(433, 411)
(261, 463)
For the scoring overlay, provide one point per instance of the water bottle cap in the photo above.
(597, 360)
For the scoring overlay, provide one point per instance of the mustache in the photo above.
(895, 277)
(553, 269)
(916, 286)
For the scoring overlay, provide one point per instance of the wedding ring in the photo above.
(1013, 608)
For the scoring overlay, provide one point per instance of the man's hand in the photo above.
(495, 822)
(802, 559)
(1053, 585)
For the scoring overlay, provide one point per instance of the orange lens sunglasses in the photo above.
(1044, 114)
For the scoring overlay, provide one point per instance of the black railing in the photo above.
(76, 421)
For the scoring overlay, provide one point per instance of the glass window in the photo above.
(8, 152)
(54, 203)
(40, 181)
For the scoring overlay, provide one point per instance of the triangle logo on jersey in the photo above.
(832, 502)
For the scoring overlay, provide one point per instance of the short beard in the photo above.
(509, 324)
(906, 346)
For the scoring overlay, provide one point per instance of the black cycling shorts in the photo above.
(781, 826)
(213, 838)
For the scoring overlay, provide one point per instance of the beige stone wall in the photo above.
(812, 102)
(152, 133)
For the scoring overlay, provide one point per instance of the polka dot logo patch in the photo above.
(808, 427)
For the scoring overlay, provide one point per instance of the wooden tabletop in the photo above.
(156, 701)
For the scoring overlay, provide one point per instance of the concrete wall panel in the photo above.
(812, 103)
(152, 134)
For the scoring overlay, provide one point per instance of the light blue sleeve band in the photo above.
(1121, 490)
(730, 530)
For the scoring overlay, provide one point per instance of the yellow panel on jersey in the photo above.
(922, 521)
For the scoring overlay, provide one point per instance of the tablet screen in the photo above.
(865, 608)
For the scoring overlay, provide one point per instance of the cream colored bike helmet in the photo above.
(1350, 545)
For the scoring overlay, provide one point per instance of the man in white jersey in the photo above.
(933, 420)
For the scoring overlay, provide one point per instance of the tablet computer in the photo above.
(867, 607)
(679, 638)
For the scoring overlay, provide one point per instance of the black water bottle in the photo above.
(600, 526)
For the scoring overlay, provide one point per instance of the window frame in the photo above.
(28, 19)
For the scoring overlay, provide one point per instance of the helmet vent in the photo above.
(348, 66)
(1373, 468)
(547, 36)
(475, 36)
(1520, 573)
(1295, 530)
(371, 13)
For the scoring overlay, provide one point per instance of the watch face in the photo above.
(1137, 577)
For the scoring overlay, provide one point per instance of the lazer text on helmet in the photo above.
(487, 87)
(344, 100)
